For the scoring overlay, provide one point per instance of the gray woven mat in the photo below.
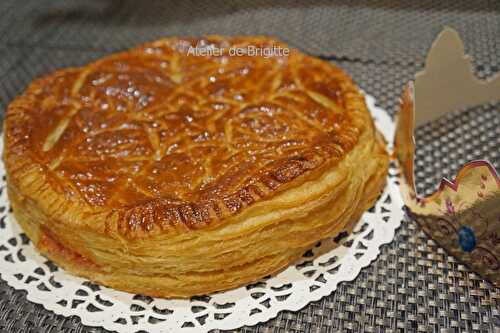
(414, 285)
(377, 31)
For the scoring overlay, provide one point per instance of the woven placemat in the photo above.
(413, 285)
(377, 31)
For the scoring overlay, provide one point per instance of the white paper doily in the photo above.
(306, 281)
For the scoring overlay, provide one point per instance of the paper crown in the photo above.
(462, 215)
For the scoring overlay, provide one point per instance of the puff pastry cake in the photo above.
(168, 174)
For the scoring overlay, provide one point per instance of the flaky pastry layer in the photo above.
(162, 173)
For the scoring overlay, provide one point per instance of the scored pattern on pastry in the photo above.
(186, 132)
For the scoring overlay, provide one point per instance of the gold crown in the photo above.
(462, 215)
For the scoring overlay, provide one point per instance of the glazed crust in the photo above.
(165, 173)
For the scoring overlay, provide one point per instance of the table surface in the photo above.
(414, 285)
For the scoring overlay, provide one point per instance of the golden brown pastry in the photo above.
(169, 174)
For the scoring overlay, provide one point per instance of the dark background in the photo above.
(414, 285)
